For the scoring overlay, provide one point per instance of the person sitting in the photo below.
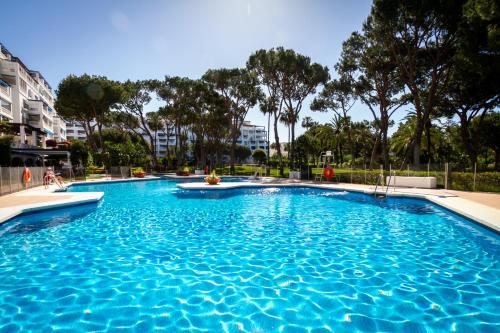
(48, 177)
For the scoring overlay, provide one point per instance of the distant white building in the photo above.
(252, 137)
(75, 131)
(27, 102)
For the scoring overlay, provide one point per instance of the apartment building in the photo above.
(75, 131)
(252, 136)
(27, 102)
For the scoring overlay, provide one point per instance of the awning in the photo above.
(39, 152)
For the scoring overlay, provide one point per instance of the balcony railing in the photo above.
(5, 90)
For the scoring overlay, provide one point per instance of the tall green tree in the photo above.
(298, 79)
(376, 82)
(155, 124)
(137, 94)
(241, 91)
(489, 133)
(88, 100)
(177, 93)
(420, 36)
(338, 96)
(474, 87)
(264, 63)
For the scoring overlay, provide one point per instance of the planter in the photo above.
(139, 174)
(212, 180)
(182, 173)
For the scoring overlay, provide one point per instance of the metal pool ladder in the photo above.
(381, 178)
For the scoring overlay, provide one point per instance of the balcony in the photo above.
(5, 90)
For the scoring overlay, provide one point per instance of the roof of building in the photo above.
(19, 61)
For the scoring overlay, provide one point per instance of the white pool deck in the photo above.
(41, 198)
(483, 208)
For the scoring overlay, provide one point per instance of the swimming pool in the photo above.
(250, 260)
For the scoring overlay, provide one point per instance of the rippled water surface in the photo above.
(262, 260)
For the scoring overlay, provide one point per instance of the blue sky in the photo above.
(150, 39)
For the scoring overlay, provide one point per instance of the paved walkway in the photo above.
(39, 198)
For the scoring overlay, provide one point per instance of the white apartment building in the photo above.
(75, 131)
(252, 137)
(27, 102)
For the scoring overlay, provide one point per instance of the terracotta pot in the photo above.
(139, 174)
(212, 180)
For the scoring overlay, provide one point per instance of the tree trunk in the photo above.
(466, 138)
(384, 127)
(292, 152)
(428, 126)
(278, 146)
(416, 143)
(374, 150)
(497, 160)
(233, 148)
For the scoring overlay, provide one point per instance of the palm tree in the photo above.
(308, 122)
(155, 124)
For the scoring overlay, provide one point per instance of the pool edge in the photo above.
(77, 198)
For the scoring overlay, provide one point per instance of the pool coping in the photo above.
(76, 198)
(479, 213)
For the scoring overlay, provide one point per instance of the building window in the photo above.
(23, 85)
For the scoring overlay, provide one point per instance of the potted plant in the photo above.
(183, 172)
(138, 172)
(213, 179)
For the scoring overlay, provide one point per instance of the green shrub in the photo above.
(5, 149)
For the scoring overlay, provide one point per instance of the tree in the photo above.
(489, 133)
(136, 95)
(79, 153)
(473, 89)
(88, 100)
(211, 122)
(5, 149)
(308, 122)
(154, 122)
(338, 96)
(176, 92)
(420, 37)
(240, 90)
(265, 65)
(122, 148)
(375, 79)
(259, 155)
(242, 153)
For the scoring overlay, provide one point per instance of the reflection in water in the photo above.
(26, 224)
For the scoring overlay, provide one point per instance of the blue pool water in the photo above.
(150, 257)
